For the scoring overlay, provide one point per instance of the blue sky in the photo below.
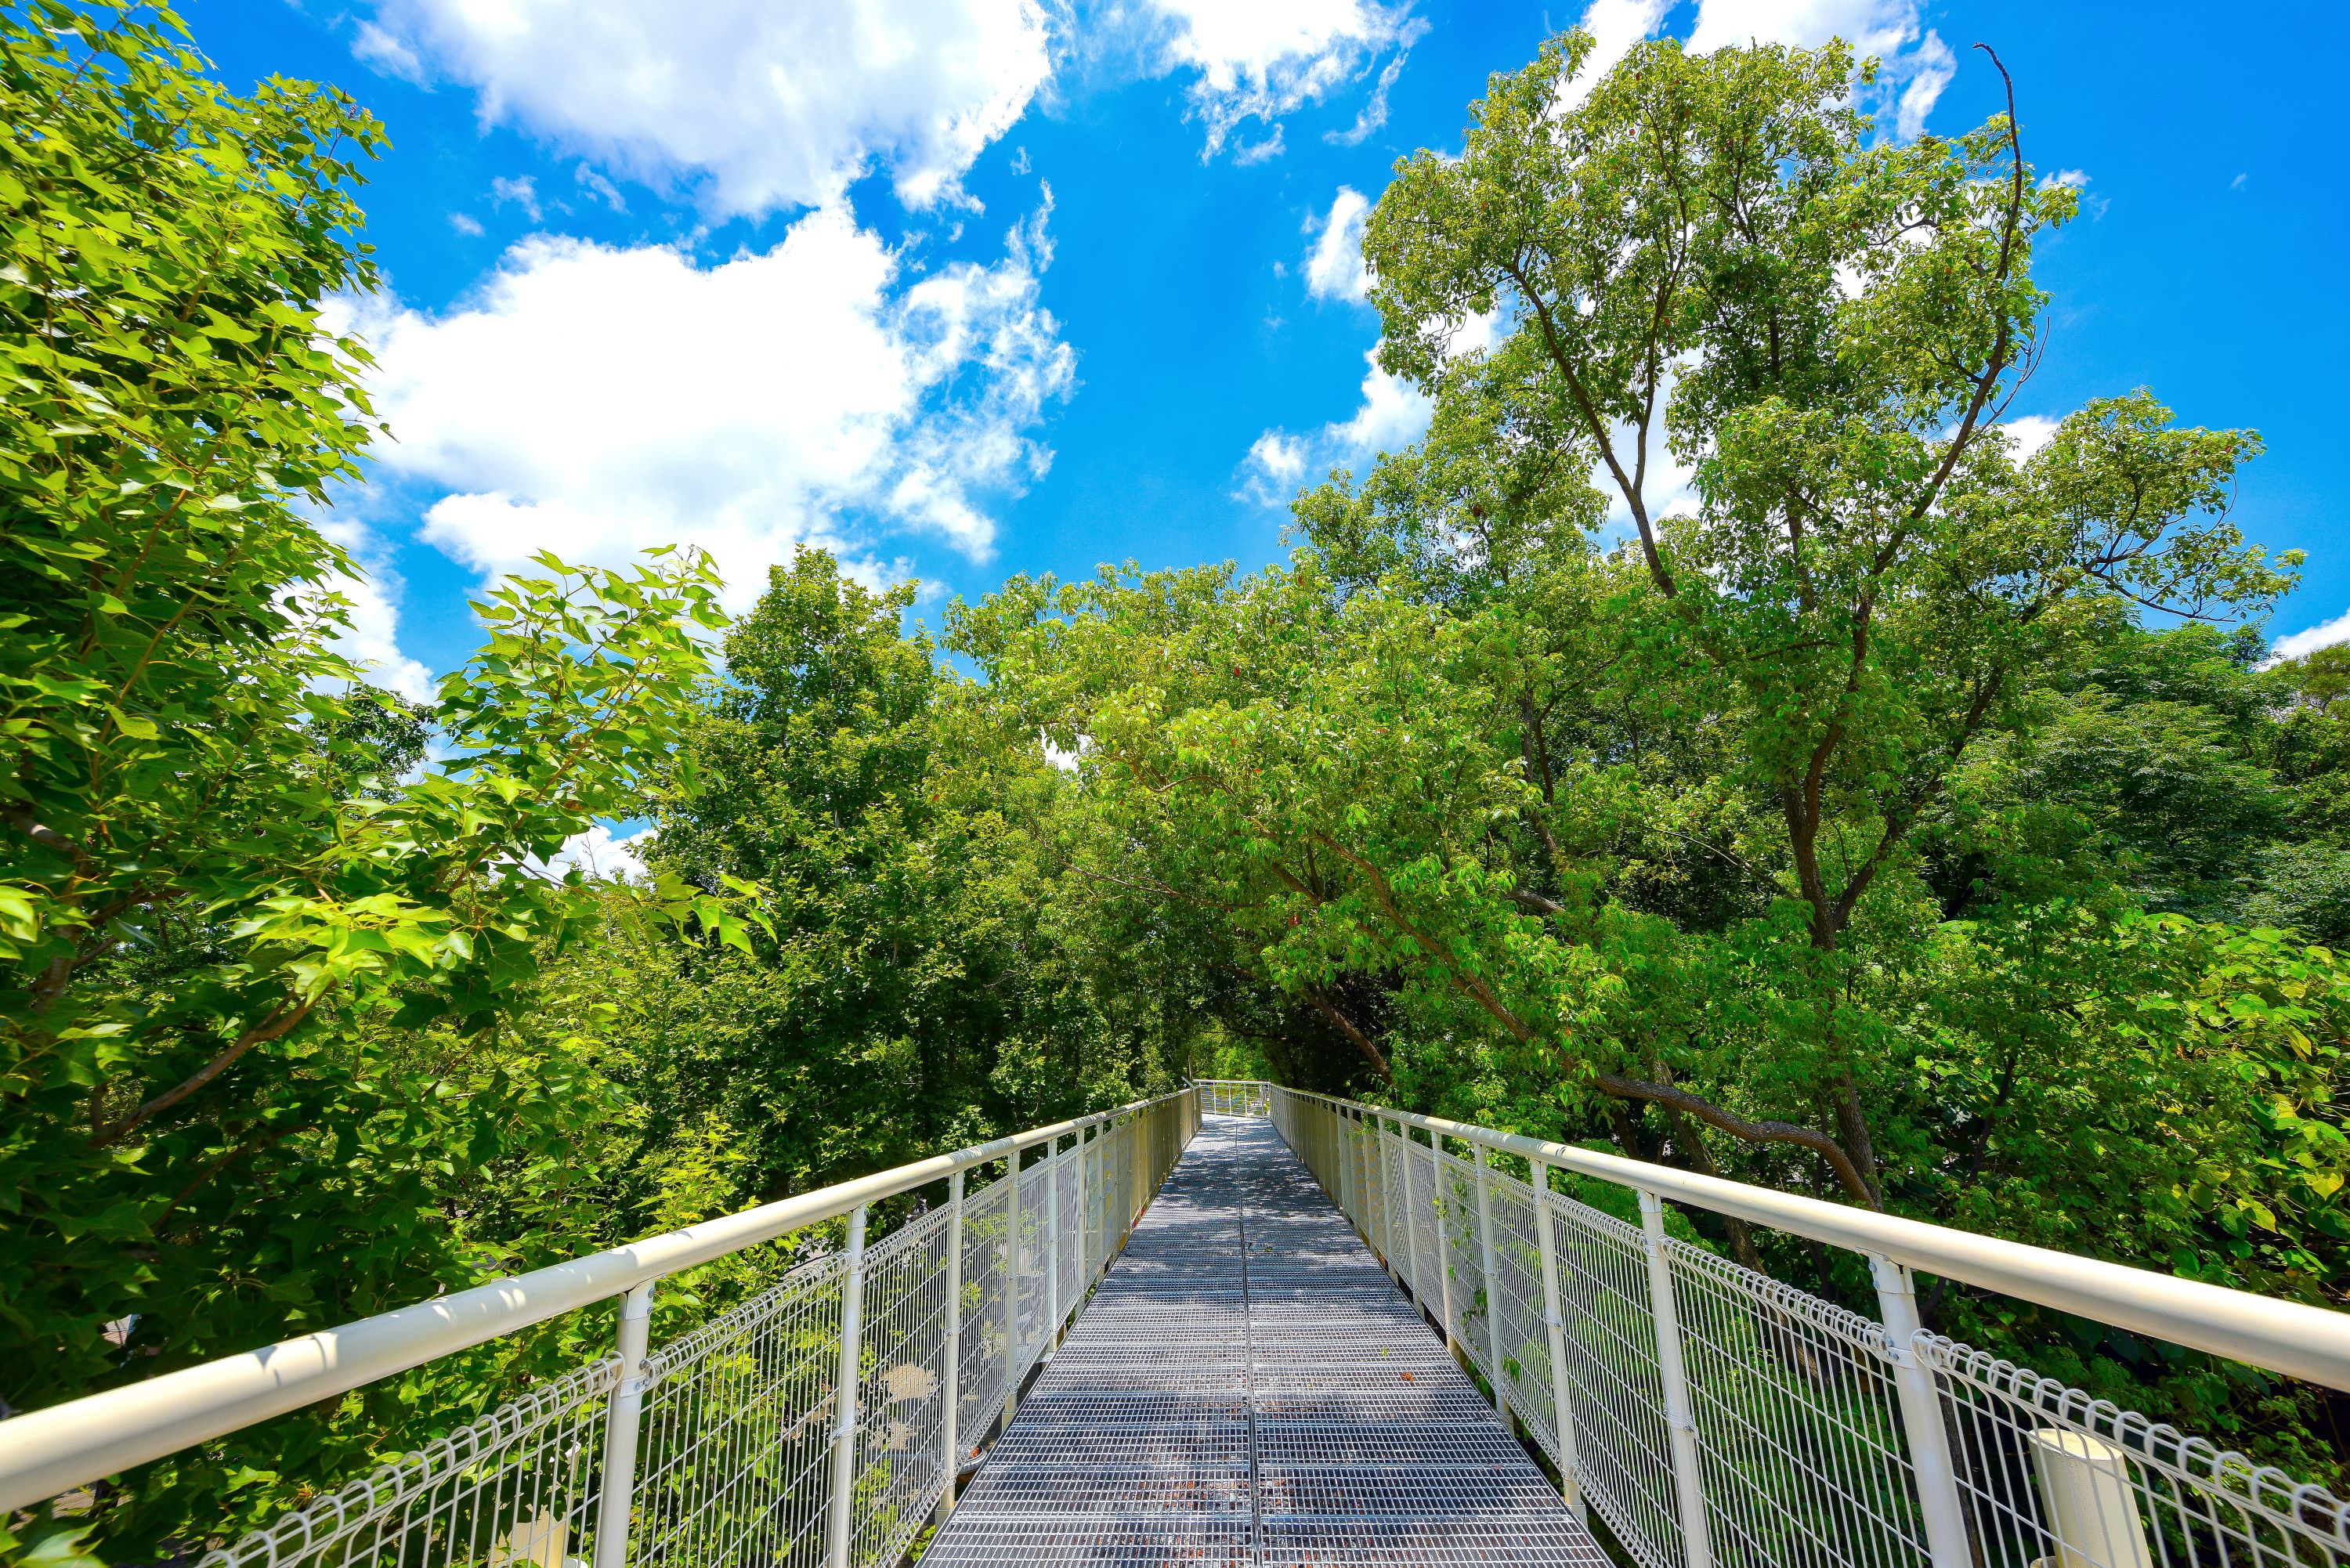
(969, 287)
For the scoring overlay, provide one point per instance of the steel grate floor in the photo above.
(1248, 1388)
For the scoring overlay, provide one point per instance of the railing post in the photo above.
(1689, 1477)
(1570, 1460)
(623, 1418)
(1053, 1241)
(1088, 1223)
(845, 1393)
(1443, 1237)
(1493, 1279)
(1343, 1158)
(1141, 1193)
(1410, 1220)
(1921, 1419)
(1012, 1362)
(950, 1384)
(1387, 1197)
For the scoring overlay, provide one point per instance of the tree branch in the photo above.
(280, 1022)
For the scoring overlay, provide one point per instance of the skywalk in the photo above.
(1248, 1387)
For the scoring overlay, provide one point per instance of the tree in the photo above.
(1708, 257)
(257, 980)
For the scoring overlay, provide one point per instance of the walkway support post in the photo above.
(844, 1392)
(1053, 1241)
(1411, 1220)
(1012, 1362)
(623, 1419)
(1443, 1239)
(950, 1384)
(1343, 1158)
(1570, 1461)
(1492, 1281)
(1689, 1477)
(1921, 1419)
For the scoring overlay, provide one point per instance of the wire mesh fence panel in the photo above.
(1026, 1277)
(1615, 1389)
(1384, 1187)
(1427, 1260)
(1464, 1258)
(1394, 1179)
(520, 1486)
(1799, 1423)
(1069, 1199)
(1518, 1302)
(737, 1425)
(986, 1348)
(2049, 1475)
(902, 1412)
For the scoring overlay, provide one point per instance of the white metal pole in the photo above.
(1013, 1365)
(1340, 1158)
(1570, 1461)
(1493, 1284)
(1387, 1198)
(1089, 1250)
(1053, 1241)
(844, 1393)
(1921, 1419)
(1443, 1238)
(950, 1384)
(623, 1418)
(1689, 1477)
(1411, 1223)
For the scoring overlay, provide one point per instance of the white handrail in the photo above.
(49, 1451)
(2301, 1340)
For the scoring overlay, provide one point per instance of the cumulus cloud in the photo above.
(599, 856)
(2300, 644)
(1393, 413)
(1615, 26)
(1917, 65)
(594, 401)
(372, 637)
(759, 106)
(1260, 60)
(1333, 267)
(2028, 433)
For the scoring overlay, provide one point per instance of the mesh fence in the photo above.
(1796, 1450)
(521, 1486)
(739, 1431)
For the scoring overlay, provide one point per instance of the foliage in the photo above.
(1840, 824)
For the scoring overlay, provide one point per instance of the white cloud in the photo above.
(466, 226)
(1281, 457)
(1393, 414)
(1374, 112)
(597, 854)
(2326, 634)
(762, 105)
(373, 638)
(1260, 60)
(1333, 267)
(1615, 26)
(522, 192)
(2028, 433)
(386, 54)
(1917, 65)
(595, 400)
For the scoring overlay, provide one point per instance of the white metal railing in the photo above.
(825, 1420)
(1711, 1415)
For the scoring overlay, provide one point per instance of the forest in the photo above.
(1911, 814)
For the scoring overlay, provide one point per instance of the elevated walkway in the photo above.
(1248, 1387)
(1228, 1377)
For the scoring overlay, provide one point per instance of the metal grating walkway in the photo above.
(1248, 1387)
